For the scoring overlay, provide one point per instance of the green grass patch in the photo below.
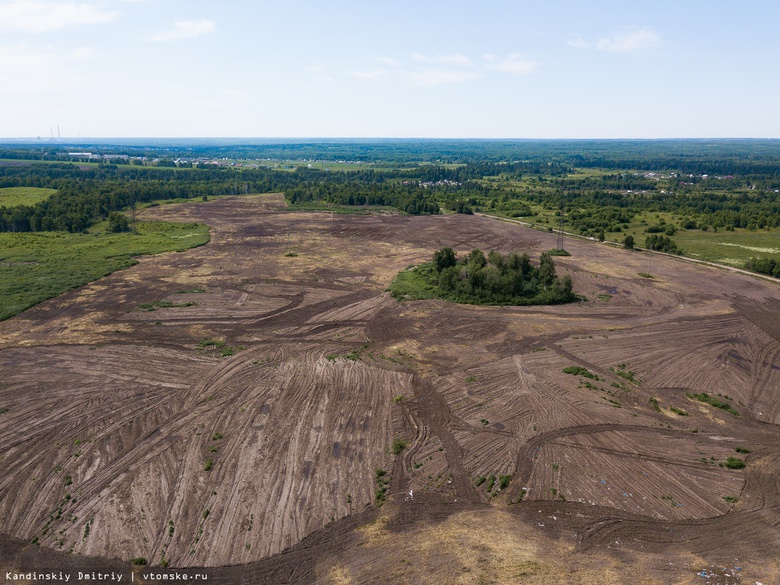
(38, 266)
(13, 196)
(733, 463)
(621, 371)
(164, 304)
(730, 247)
(580, 371)
(712, 401)
(399, 445)
(678, 411)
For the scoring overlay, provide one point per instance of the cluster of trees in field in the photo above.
(496, 279)
(768, 266)
(661, 244)
(407, 198)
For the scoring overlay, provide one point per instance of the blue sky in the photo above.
(489, 69)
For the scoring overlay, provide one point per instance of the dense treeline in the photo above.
(661, 244)
(496, 279)
(406, 198)
(768, 266)
(725, 156)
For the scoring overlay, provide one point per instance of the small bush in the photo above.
(742, 450)
(399, 445)
(139, 561)
(209, 464)
(733, 463)
(712, 401)
(580, 371)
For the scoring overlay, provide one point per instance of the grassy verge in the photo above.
(13, 196)
(38, 266)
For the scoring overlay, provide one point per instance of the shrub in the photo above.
(712, 401)
(733, 463)
(399, 445)
(139, 561)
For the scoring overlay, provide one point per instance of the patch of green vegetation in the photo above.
(291, 255)
(399, 445)
(13, 196)
(654, 403)
(678, 411)
(139, 561)
(399, 398)
(580, 371)
(208, 465)
(621, 371)
(480, 480)
(484, 280)
(164, 304)
(382, 481)
(190, 291)
(712, 401)
(41, 265)
(216, 436)
(491, 481)
(742, 450)
(559, 252)
(731, 499)
(504, 481)
(671, 501)
(645, 275)
(733, 463)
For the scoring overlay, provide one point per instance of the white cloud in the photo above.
(431, 77)
(453, 60)
(514, 63)
(25, 69)
(41, 16)
(629, 42)
(387, 61)
(185, 29)
(578, 43)
(372, 74)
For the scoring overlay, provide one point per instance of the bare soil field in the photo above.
(226, 409)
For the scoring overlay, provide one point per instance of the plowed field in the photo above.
(227, 408)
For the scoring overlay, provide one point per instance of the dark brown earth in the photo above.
(129, 434)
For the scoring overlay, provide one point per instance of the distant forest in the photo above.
(603, 185)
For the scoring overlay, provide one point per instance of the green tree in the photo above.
(546, 269)
(444, 258)
(117, 222)
(628, 242)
